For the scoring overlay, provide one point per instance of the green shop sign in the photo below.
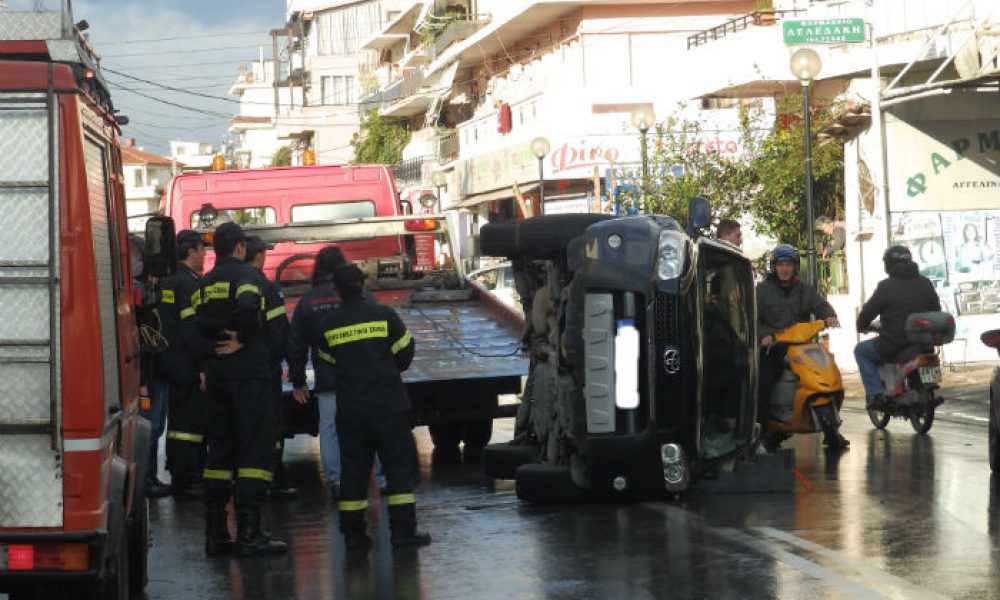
(824, 31)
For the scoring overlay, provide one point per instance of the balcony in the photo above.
(454, 32)
(741, 23)
(398, 90)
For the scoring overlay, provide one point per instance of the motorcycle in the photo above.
(912, 378)
(810, 392)
(992, 339)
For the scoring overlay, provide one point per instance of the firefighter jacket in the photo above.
(369, 346)
(275, 319)
(178, 364)
(229, 297)
(305, 338)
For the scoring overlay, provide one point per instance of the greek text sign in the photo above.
(823, 31)
(944, 165)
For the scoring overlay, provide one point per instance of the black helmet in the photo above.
(785, 252)
(895, 255)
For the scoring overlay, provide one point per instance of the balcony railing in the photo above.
(453, 32)
(410, 171)
(407, 86)
(757, 17)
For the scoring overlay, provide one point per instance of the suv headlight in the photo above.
(670, 255)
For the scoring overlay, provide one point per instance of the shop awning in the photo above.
(503, 193)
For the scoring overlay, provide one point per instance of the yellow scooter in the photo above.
(808, 395)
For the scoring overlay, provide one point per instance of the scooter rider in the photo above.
(903, 293)
(783, 300)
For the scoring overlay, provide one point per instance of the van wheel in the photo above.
(547, 484)
(547, 236)
(498, 239)
(139, 543)
(501, 461)
(114, 585)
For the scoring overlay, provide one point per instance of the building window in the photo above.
(338, 90)
(343, 30)
(138, 178)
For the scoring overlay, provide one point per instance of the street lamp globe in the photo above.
(643, 117)
(439, 179)
(805, 65)
(540, 147)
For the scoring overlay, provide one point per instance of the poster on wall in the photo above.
(957, 251)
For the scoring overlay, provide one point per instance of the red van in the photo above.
(281, 195)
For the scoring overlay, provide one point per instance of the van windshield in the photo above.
(333, 211)
(261, 215)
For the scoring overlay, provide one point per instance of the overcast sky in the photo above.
(139, 38)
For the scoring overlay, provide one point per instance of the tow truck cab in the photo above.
(294, 195)
(649, 379)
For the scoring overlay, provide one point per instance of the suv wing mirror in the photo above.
(699, 215)
(161, 247)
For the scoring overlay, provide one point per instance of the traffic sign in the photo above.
(823, 31)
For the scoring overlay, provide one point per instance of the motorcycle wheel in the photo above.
(879, 418)
(922, 422)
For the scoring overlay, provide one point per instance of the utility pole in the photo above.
(274, 62)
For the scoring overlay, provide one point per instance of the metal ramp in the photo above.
(30, 438)
(970, 41)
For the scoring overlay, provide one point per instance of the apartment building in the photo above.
(477, 81)
(254, 128)
(146, 175)
(322, 53)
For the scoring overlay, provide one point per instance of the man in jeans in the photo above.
(897, 297)
(318, 302)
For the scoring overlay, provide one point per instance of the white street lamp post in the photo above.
(643, 118)
(540, 148)
(805, 65)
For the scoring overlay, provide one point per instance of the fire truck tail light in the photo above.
(45, 557)
(421, 225)
(20, 557)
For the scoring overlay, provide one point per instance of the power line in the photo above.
(161, 52)
(172, 88)
(174, 104)
(184, 37)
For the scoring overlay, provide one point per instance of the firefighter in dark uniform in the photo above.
(227, 319)
(276, 328)
(369, 346)
(188, 412)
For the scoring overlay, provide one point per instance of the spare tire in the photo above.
(498, 239)
(547, 484)
(546, 236)
(500, 461)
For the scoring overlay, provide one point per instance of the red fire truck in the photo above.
(73, 449)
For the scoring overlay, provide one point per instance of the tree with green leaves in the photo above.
(778, 164)
(379, 141)
(681, 167)
(282, 157)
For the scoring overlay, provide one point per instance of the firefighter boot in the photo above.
(403, 525)
(217, 538)
(250, 540)
(352, 525)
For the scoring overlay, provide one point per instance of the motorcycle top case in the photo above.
(930, 328)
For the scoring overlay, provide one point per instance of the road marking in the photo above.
(971, 417)
(835, 580)
(878, 576)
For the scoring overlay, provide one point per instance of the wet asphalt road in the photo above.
(897, 516)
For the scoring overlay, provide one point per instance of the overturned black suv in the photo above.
(643, 364)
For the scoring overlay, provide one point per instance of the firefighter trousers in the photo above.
(241, 434)
(186, 434)
(360, 438)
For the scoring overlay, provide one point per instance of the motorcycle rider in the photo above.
(783, 300)
(898, 296)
